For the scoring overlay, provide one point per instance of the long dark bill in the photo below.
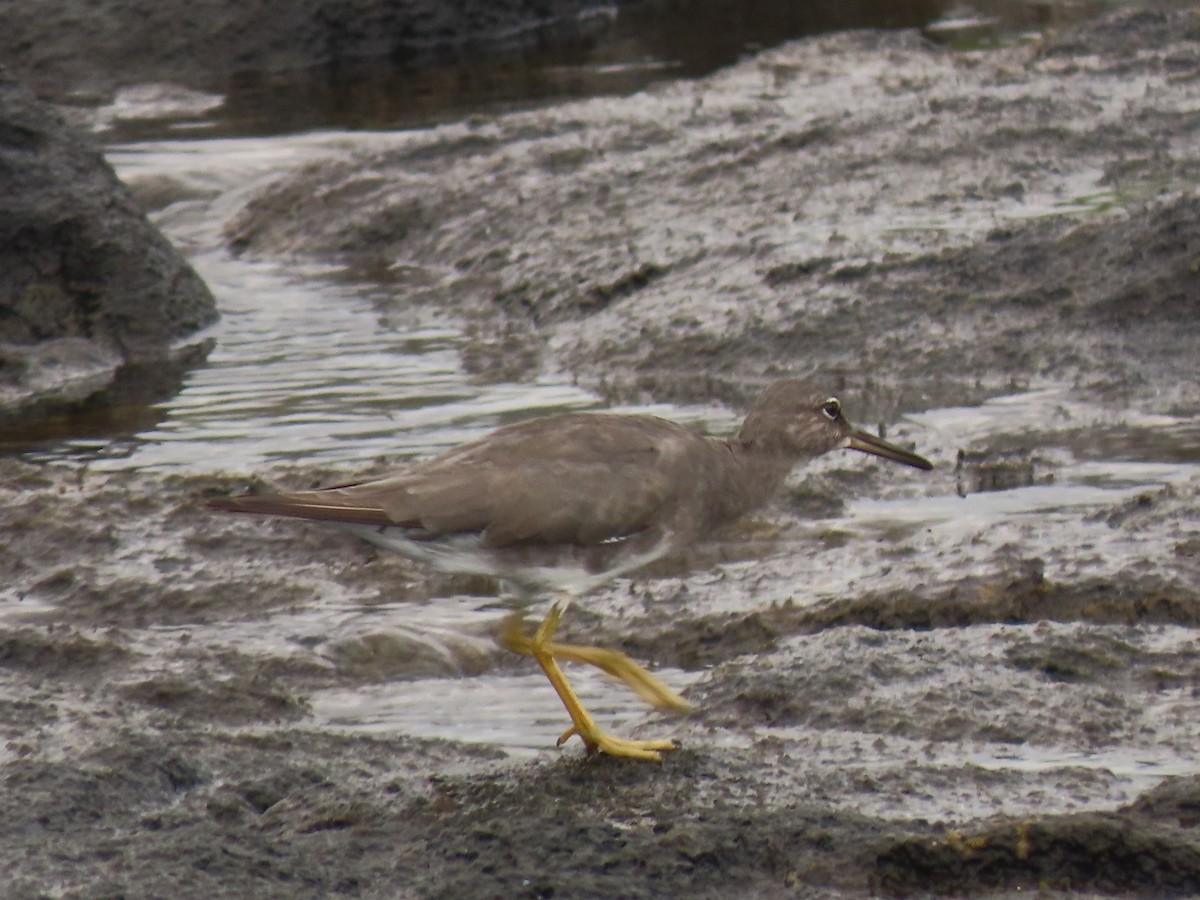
(868, 443)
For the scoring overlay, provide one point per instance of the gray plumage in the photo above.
(571, 500)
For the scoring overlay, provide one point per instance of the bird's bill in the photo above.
(876, 446)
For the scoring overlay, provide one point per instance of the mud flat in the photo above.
(868, 204)
(983, 681)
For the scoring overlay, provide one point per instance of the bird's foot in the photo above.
(597, 741)
(512, 636)
(542, 648)
(620, 666)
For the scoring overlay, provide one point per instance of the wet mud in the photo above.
(869, 204)
(983, 681)
(980, 736)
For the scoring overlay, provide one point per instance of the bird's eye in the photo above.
(831, 408)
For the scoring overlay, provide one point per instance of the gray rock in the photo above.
(90, 291)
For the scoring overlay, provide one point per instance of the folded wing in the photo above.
(576, 478)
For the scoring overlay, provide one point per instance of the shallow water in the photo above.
(306, 368)
(304, 371)
(519, 713)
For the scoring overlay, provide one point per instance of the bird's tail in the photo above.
(317, 505)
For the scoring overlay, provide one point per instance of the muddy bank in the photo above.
(870, 205)
(160, 686)
(97, 309)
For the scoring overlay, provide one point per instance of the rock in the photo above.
(95, 305)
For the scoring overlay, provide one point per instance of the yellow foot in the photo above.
(512, 636)
(618, 665)
(543, 649)
(597, 741)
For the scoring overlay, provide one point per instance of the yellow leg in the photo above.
(582, 723)
(513, 637)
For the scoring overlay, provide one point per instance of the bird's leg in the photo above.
(582, 724)
(512, 637)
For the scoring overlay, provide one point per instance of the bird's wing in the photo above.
(578, 479)
(575, 478)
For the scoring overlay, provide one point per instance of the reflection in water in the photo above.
(79, 429)
(614, 55)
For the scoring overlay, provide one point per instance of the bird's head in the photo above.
(794, 418)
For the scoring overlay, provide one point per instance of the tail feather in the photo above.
(302, 506)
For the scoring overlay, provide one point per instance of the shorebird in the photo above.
(566, 502)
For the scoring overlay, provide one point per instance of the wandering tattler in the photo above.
(566, 502)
